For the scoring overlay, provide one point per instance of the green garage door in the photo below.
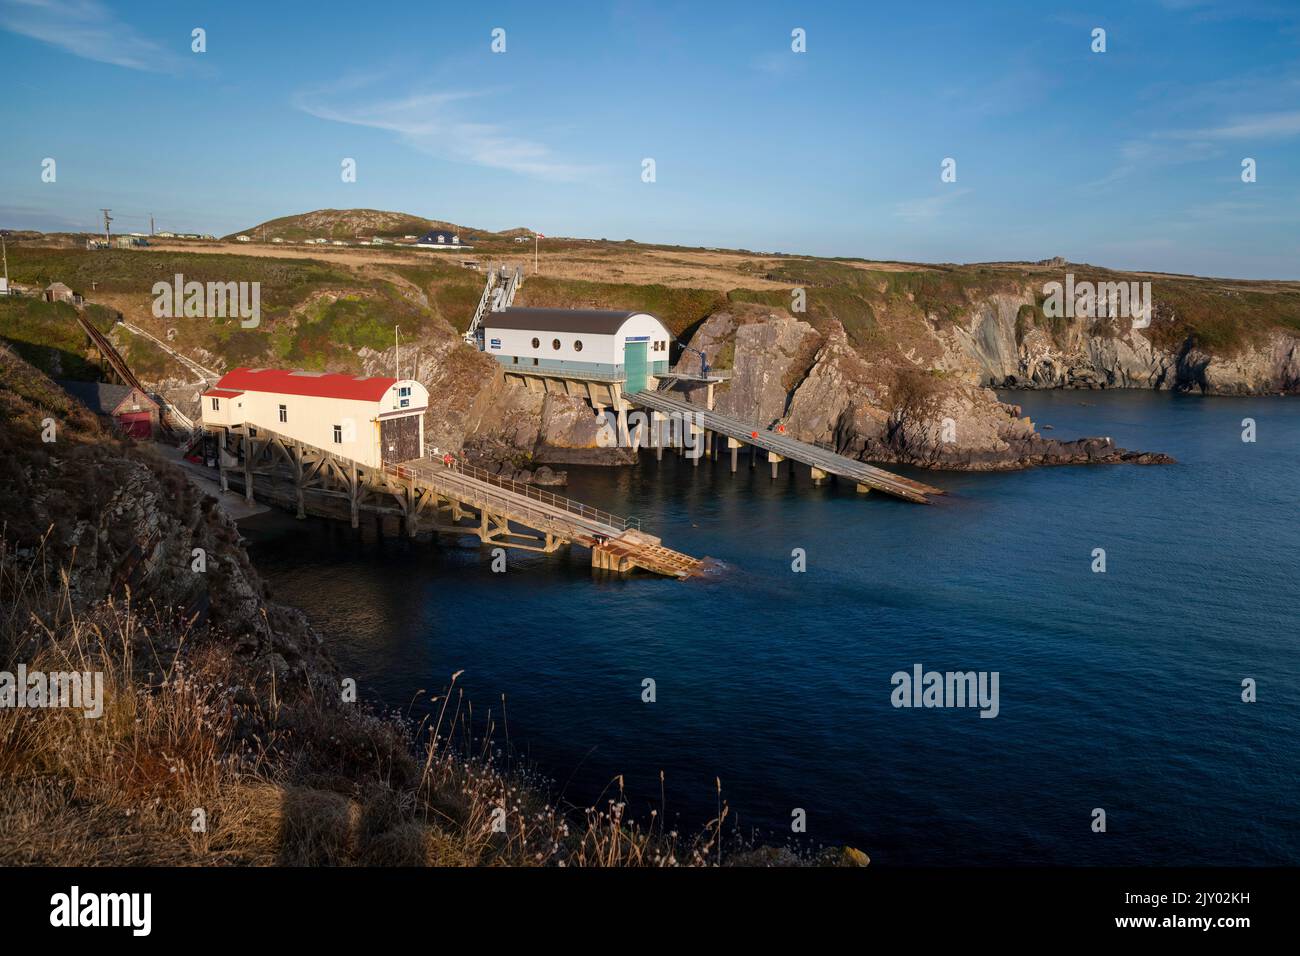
(634, 363)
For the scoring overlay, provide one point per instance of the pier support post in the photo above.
(776, 460)
(818, 476)
(297, 484)
(353, 494)
(248, 468)
(862, 489)
(411, 522)
(223, 442)
(735, 452)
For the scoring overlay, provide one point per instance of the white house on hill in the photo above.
(375, 421)
(589, 343)
(441, 239)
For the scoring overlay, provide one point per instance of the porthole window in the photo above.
(577, 345)
(536, 344)
(555, 344)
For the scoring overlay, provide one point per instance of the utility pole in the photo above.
(151, 224)
(535, 237)
(5, 253)
(107, 220)
(397, 354)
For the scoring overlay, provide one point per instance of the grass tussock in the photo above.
(197, 759)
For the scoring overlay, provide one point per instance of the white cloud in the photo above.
(84, 28)
(434, 123)
(1258, 126)
(928, 207)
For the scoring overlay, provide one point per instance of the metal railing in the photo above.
(618, 374)
(474, 323)
(721, 374)
(476, 477)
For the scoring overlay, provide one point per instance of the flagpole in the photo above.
(534, 252)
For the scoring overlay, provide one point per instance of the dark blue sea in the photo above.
(1119, 690)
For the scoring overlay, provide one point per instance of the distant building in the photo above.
(277, 239)
(379, 241)
(371, 420)
(591, 343)
(58, 292)
(441, 239)
(130, 411)
(243, 239)
(166, 235)
(130, 242)
(521, 238)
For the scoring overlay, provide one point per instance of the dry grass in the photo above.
(279, 779)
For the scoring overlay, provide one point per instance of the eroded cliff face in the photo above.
(474, 409)
(995, 345)
(822, 389)
(112, 520)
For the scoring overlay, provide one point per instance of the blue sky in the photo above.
(1129, 158)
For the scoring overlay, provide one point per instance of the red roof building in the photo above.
(315, 384)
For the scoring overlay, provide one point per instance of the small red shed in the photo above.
(133, 413)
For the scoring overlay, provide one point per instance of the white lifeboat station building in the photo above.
(597, 354)
(375, 421)
(599, 344)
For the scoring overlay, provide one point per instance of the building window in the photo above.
(216, 404)
(404, 403)
(338, 434)
(555, 344)
(404, 391)
(537, 344)
(284, 413)
(534, 361)
(577, 345)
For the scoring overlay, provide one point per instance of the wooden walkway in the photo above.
(823, 461)
(458, 499)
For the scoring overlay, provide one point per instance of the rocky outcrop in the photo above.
(883, 411)
(771, 359)
(995, 345)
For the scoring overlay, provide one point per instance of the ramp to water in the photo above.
(823, 459)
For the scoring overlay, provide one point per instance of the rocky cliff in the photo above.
(823, 389)
(1005, 341)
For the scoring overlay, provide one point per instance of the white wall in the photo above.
(312, 420)
(600, 349)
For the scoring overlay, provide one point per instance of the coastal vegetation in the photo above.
(226, 734)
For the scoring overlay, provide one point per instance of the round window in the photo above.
(536, 344)
(577, 345)
(555, 344)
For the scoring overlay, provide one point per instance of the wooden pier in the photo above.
(822, 461)
(429, 495)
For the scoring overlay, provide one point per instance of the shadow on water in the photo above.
(1118, 690)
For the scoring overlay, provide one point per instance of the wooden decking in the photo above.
(428, 495)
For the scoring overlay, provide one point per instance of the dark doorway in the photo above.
(399, 439)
